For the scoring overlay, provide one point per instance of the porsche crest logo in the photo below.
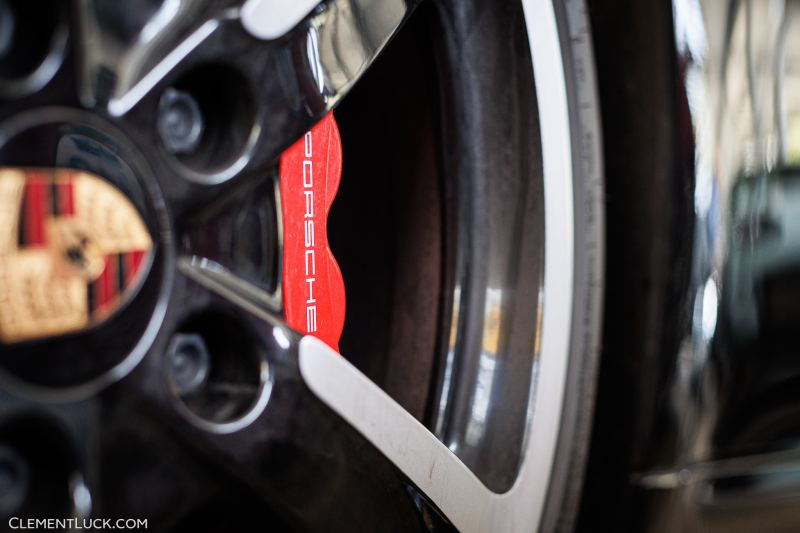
(72, 251)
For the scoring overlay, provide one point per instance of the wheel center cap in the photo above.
(85, 263)
(72, 252)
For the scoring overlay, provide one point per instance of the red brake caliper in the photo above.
(313, 289)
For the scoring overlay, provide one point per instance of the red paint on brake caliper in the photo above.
(313, 289)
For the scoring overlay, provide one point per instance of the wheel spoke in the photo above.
(291, 455)
(127, 47)
(235, 243)
(232, 288)
(205, 395)
(299, 77)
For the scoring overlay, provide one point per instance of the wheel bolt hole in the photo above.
(189, 363)
(207, 121)
(14, 480)
(32, 43)
(37, 462)
(180, 121)
(214, 366)
(7, 23)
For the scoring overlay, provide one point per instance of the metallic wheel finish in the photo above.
(401, 476)
(412, 448)
(130, 429)
(298, 78)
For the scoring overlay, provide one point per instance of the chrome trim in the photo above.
(120, 63)
(344, 37)
(271, 19)
(341, 38)
(219, 279)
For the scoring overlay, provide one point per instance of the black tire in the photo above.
(648, 235)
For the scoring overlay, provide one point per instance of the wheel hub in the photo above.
(80, 244)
